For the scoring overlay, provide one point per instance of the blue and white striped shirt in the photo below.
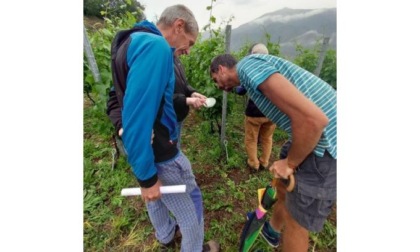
(256, 68)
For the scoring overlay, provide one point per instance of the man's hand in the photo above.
(281, 169)
(120, 132)
(151, 193)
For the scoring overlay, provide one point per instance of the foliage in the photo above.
(101, 8)
(329, 68)
(117, 15)
(100, 40)
(326, 238)
(92, 7)
(273, 47)
(212, 19)
(307, 58)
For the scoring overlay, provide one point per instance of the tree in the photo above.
(101, 8)
(93, 8)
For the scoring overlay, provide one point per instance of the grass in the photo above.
(116, 223)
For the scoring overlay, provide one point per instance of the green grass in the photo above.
(116, 223)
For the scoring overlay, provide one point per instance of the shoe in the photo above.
(211, 246)
(252, 170)
(177, 232)
(171, 246)
(262, 167)
(168, 247)
(248, 215)
(270, 236)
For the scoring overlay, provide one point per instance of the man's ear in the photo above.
(220, 69)
(179, 25)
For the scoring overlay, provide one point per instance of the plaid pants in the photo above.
(186, 208)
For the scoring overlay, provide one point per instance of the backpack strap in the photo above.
(120, 70)
(120, 41)
(122, 36)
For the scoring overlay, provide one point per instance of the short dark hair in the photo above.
(226, 60)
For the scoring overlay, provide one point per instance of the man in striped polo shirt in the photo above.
(305, 107)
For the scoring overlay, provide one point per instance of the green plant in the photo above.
(101, 8)
(324, 239)
(307, 58)
(92, 7)
(329, 68)
(273, 47)
(100, 40)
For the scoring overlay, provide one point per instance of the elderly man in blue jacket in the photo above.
(143, 77)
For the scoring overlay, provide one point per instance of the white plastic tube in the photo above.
(163, 189)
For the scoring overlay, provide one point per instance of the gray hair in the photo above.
(259, 48)
(174, 12)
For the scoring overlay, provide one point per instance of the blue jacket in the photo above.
(147, 101)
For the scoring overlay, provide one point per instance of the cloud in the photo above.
(240, 2)
(287, 18)
(247, 3)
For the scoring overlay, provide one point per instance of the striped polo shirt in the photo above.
(256, 68)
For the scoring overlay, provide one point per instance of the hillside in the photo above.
(288, 26)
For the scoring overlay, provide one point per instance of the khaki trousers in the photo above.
(263, 128)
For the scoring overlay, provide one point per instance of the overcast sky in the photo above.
(243, 10)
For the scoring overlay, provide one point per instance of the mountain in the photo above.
(287, 26)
